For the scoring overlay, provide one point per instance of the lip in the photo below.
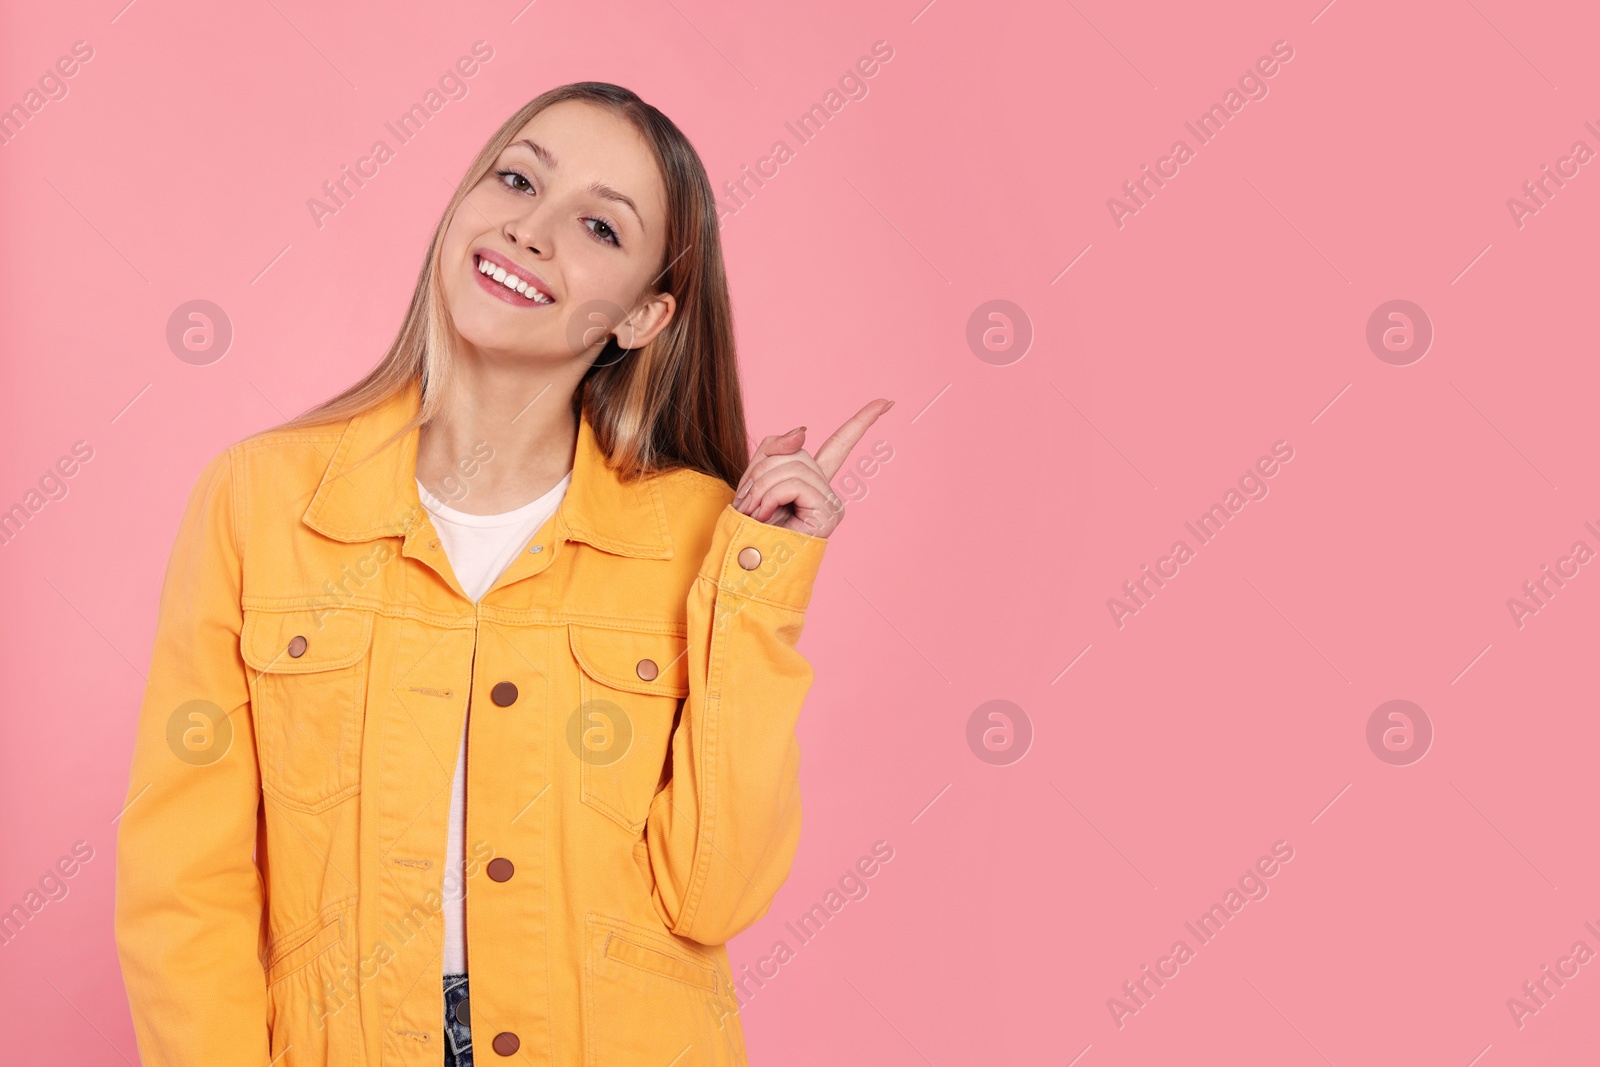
(510, 296)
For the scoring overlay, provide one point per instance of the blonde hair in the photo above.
(671, 404)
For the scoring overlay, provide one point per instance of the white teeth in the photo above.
(511, 281)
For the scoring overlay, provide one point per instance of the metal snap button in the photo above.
(647, 670)
(297, 646)
(536, 548)
(506, 1043)
(750, 558)
(462, 1014)
(504, 694)
(501, 869)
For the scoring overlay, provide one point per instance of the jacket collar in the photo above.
(361, 501)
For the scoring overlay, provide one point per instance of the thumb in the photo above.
(782, 445)
(790, 442)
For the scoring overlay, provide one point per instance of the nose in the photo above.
(527, 228)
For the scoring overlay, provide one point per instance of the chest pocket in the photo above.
(632, 684)
(309, 701)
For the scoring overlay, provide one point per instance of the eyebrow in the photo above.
(600, 189)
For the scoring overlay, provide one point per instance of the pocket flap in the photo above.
(658, 962)
(300, 948)
(324, 638)
(621, 659)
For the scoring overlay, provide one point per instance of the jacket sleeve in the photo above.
(189, 896)
(723, 833)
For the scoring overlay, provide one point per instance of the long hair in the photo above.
(671, 404)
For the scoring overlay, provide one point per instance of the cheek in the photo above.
(590, 284)
(455, 257)
(477, 216)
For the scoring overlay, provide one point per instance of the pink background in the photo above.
(1226, 315)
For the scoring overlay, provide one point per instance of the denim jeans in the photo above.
(457, 1032)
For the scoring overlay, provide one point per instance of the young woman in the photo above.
(489, 660)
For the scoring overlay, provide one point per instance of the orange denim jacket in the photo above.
(633, 791)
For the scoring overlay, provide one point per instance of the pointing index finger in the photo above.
(836, 449)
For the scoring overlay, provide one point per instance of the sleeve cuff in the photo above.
(761, 562)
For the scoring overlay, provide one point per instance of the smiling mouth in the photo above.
(501, 276)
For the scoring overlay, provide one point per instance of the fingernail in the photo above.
(794, 431)
(890, 405)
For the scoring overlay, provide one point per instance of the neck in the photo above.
(506, 435)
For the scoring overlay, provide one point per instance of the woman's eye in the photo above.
(609, 236)
(516, 181)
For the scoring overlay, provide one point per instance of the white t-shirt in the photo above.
(480, 548)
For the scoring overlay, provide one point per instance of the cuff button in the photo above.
(750, 558)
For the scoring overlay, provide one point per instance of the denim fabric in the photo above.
(457, 1034)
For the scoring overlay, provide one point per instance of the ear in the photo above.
(648, 319)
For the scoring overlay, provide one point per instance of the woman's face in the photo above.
(574, 210)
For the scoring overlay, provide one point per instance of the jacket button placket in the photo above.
(507, 970)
